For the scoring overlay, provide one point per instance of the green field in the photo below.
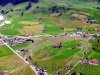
(91, 69)
(9, 62)
(57, 17)
(58, 56)
(4, 51)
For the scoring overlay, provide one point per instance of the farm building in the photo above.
(3, 20)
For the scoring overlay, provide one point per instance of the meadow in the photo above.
(57, 17)
(43, 53)
(12, 64)
(90, 69)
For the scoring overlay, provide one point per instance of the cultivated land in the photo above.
(43, 53)
(49, 29)
(11, 64)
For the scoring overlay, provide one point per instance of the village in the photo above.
(50, 37)
(26, 53)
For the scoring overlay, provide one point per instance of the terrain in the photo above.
(55, 37)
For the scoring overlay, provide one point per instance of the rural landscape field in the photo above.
(49, 37)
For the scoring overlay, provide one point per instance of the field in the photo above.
(11, 64)
(81, 68)
(48, 24)
(44, 53)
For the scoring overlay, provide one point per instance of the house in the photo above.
(94, 62)
(3, 20)
(86, 51)
(1, 43)
(30, 58)
(23, 51)
(58, 45)
(2, 73)
(16, 41)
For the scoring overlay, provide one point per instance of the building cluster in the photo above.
(94, 62)
(40, 71)
(91, 62)
(2, 38)
(17, 41)
(58, 45)
(22, 51)
(3, 73)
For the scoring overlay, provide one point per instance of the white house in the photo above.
(3, 20)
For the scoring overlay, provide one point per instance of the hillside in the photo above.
(15, 2)
(4, 2)
(54, 37)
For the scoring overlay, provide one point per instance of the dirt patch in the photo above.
(86, 25)
(69, 29)
(15, 16)
(81, 17)
(31, 27)
(10, 62)
(95, 26)
(29, 23)
(85, 13)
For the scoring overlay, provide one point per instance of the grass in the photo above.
(7, 58)
(52, 26)
(96, 16)
(89, 30)
(95, 44)
(95, 51)
(42, 51)
(9, 32)
(19, 46)
(6, 67)
(26, 70)
(13, 28)
(33, 29)
(91, 70)
(4, 51)
(12, 63)
(51, 29)
(94, 55)
(54, 55)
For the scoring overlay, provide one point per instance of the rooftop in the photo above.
(1, 17)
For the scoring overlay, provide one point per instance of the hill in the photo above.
(15, 2)
(4, 2)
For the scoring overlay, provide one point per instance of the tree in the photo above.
(40, 20)
(28, 6)
(81, 74)
(74, 73)
(2, 12)
(22, 13)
